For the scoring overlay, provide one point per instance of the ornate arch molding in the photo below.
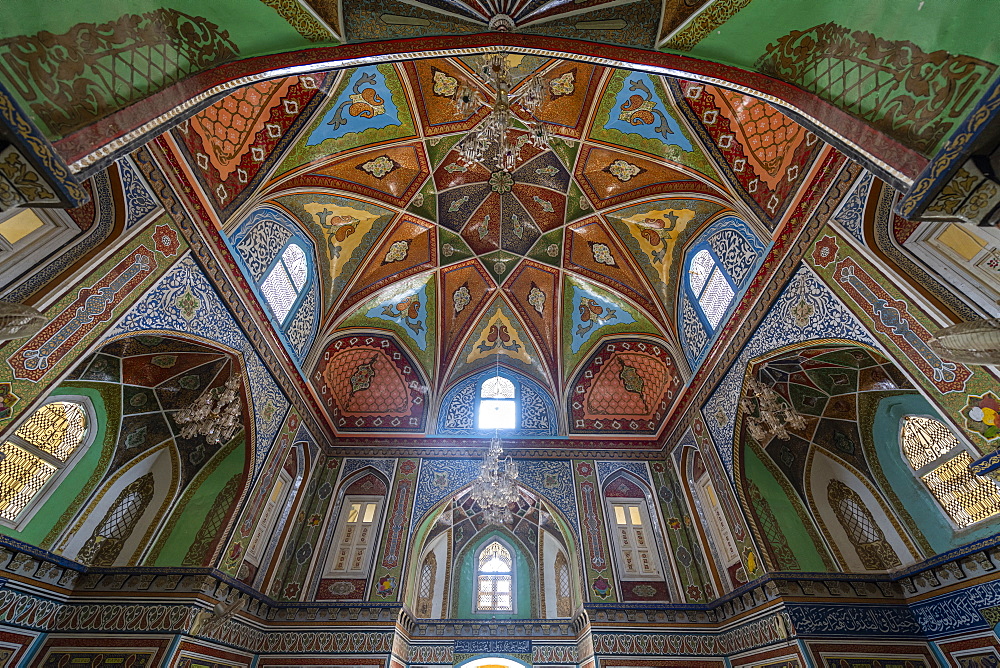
(125, 129)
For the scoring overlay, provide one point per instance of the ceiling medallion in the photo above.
(493, 137)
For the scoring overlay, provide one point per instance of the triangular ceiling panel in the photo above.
(498, 334)
(566, 102)
(392, 174)
(636, 112)
(344, 230)
(656, 233)
(764, 151)
(368, 106)
(406, 308)
(610, 177)
(409, 248)
(435, 84)
(465, 289)
(590, 313)
(593, 250)
(533, 289)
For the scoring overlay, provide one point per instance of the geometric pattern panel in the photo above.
(628, 385)
(368, 383)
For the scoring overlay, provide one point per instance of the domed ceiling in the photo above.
(566, 270)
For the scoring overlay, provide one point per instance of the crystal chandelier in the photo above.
(215, 414)
(493, 134)
(774, 414)
(496, 489)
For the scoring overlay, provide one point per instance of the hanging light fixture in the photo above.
(494, 134)
(215, 414)
(772, 413)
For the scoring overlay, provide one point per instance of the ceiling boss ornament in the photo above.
(494, 137)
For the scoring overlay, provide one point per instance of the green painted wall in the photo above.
(467, 574)
(923, 509)
(199, 497)
(783, 508)
(63, 502)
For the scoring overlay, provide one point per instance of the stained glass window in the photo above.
(495, 579)
(425, 590)
(563, 601)
(710, 287)
(37, 451)
(942, 464)
(862, 530)
(497, 406)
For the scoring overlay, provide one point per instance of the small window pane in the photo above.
(497, 387)
(620, 514)
(56, 428)
(699, 271)
(369, 512)
(22, 475)
(352, 516)
(966, 497)
(716, 298)
(925, 439)
(495, 559)
(298, 269)
(634, 515)
(279, 292)
(20, 225)
(496, 414)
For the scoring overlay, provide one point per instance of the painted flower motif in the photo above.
(444, 84)
(442, 480)
(407, 467)
(366, 104)
(332, 464)
(397, 251)
(380, 166)
(7, 400)
(674, 523)
(292, 590)
(658, 467)
(235, 551)
(385, 585)
(694, 593)
(293, 421)
(314, 521)
(624, 171)
(637, 111)
(983, 415)
(552, 250)
(501, 182)
(537, 299)
(802, 313)
(602, 587)
(165, 240)
(447, 250)
(825, 251)
(564, 84)
(461, 298)
(584, 469)
(602, 254)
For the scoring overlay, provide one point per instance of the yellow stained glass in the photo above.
(369, 512)
(56, 428)
(20, 225)
(633, 512)
(966, 497)
(925, 439)
(619, 514)
(352, 516)
(22, 475)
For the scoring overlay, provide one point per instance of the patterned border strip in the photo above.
(940, 170)
(895, 160)
(42, 152)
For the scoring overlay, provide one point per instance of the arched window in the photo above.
(942, 464)
(861, 529)
(495, 579)
(39, 453)
(710, 286)
(497, 404)
(632, 531)
(425, 586)
(108, 539)
(284, 283)
(27, 236)
(563, 600)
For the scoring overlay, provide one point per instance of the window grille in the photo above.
(108, 539)
(497, 404)
(563, 601)
(495, 581)
(710, 286)
(862, 530)
(425, 589)
(784, 557)
(286, 280)
(37, 451)
(942, 464)
(213, 522)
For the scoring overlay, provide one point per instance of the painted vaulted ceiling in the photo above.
(426, 272)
